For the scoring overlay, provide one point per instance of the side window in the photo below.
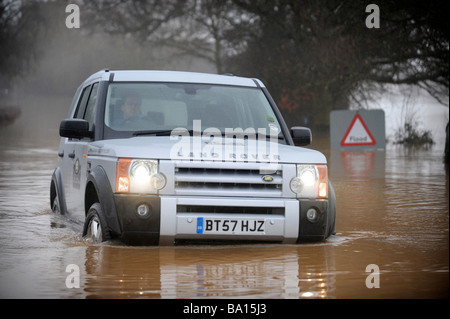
(79, 113)
(89, 114)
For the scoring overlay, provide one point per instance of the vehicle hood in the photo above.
(191, 148)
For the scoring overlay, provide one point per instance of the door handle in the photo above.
(72, 155)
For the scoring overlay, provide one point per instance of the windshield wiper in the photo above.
(162, 132)
(152, 132)
(279, 137)
(191, 132)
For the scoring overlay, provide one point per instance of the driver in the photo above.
(132, 117)
(131, 108)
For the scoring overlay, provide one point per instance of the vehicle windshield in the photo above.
(158, 108)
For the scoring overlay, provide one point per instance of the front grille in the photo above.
(230, 210)
(223, 179)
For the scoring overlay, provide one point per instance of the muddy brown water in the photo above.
(392, 214)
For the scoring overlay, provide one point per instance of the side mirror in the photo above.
(74, 128)
(301, 135)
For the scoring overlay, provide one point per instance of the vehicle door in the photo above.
(75, 164)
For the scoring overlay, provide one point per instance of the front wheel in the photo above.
(95, 225)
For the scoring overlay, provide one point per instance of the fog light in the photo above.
(143, 211)
(312, 215)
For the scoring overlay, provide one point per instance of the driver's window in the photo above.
(81, 108)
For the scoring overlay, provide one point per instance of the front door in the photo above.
(74, 168)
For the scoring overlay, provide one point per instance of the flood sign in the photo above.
(357, 130)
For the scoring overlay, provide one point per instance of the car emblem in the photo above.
(76, 167)
(267, 178)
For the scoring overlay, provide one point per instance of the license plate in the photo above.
(229, 226)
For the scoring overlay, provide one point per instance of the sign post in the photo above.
(357, 130)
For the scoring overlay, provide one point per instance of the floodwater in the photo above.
(392, 217)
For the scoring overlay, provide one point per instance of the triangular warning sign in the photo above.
(358, 134)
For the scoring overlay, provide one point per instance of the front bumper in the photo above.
(174, 219)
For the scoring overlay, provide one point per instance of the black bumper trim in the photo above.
(313, 231)
(134, 229)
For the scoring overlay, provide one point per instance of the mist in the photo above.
(64, 59)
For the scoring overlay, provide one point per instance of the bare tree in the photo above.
(19, 23)
(319, 55)
(199, 28)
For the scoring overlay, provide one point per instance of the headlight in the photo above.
(138, 176)
(142, 171)
(310, 182)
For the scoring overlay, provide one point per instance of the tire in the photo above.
(95, 225)
(55, 206)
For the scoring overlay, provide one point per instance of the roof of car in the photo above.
(172, 76)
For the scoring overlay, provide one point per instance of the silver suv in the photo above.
(160, 157)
